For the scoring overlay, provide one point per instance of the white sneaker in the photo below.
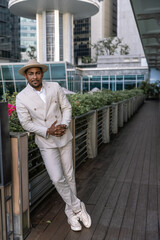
(84, 216)
(75, 225)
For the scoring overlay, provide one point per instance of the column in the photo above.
(68, 37)
(41, 36)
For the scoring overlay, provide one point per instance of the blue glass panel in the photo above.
(105, 78)
(130, 77)
(16, 74)
(85, 87)
(112, 78)
(46, 75)
(112, 86)
(95, 78)
(140, 77)
(9, 87)
(20, 86)
(95, 85)
(58, 71)
(105, 85)
(85, 78)
(119, 86)
(7, 73)
(129, 85)
(119, 78)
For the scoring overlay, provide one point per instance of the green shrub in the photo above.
(81, 103)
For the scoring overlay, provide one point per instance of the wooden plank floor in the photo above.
(121, 187)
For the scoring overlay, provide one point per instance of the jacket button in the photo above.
(45, 120)
(56, 116)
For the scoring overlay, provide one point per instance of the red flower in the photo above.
(11, 108)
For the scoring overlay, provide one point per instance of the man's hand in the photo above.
(58, 130)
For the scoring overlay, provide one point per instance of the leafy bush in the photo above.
(81, 103)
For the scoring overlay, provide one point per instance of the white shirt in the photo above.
(41, 93)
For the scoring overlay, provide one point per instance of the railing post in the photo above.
(125, 111)
(105, 125)
(21, 213)
(120, 114)
(92, 135)
(129, 108)
(114, 118)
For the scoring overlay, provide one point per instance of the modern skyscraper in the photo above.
(28, 37)
(82, 39)
(89, 31)
(9, 34)
(54, 24)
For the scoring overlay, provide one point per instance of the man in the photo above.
(43, 108)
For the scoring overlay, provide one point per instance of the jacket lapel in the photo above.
(34, 97)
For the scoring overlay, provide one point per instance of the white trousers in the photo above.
(59, 165)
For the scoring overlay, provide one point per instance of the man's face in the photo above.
(34, 77)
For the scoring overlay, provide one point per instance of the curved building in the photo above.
(54, 24)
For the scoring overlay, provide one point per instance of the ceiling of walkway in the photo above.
(147, 15)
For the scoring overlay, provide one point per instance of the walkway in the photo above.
(121, 187)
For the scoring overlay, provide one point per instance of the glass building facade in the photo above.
(9, 34)
(68, 77)
(27, 37)
(82, 38)
(112, 82)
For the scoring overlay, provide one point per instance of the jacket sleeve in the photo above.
(26, 119)
(66, 108)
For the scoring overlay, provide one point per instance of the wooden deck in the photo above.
(121, 187)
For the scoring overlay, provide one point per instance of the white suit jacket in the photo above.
(37, 116)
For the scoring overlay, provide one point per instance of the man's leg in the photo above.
(53, 162)
(51, 158)
(67, 165)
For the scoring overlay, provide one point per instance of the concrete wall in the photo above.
(127, 28)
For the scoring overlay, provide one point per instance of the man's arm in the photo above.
(26, 120)
(66, 108)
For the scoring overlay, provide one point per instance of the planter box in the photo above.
(21, 212)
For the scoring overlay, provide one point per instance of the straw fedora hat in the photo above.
(31, 64)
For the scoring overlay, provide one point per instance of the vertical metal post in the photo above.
(125, 111)
(92, 135)
(105, 125)
(115, 118)
(120, 114)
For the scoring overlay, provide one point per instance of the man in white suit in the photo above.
(43, 108)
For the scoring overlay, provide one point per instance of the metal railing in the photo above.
(89, 131)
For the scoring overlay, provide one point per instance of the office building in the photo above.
(91, 30)
(54, 24)
(28, 37)
(9, 34)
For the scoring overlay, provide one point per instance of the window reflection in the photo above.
(9, 87)
(7, 73)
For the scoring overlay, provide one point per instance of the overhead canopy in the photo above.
(29, 8)
(147, 15)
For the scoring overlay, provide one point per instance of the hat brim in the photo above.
(23, 69)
